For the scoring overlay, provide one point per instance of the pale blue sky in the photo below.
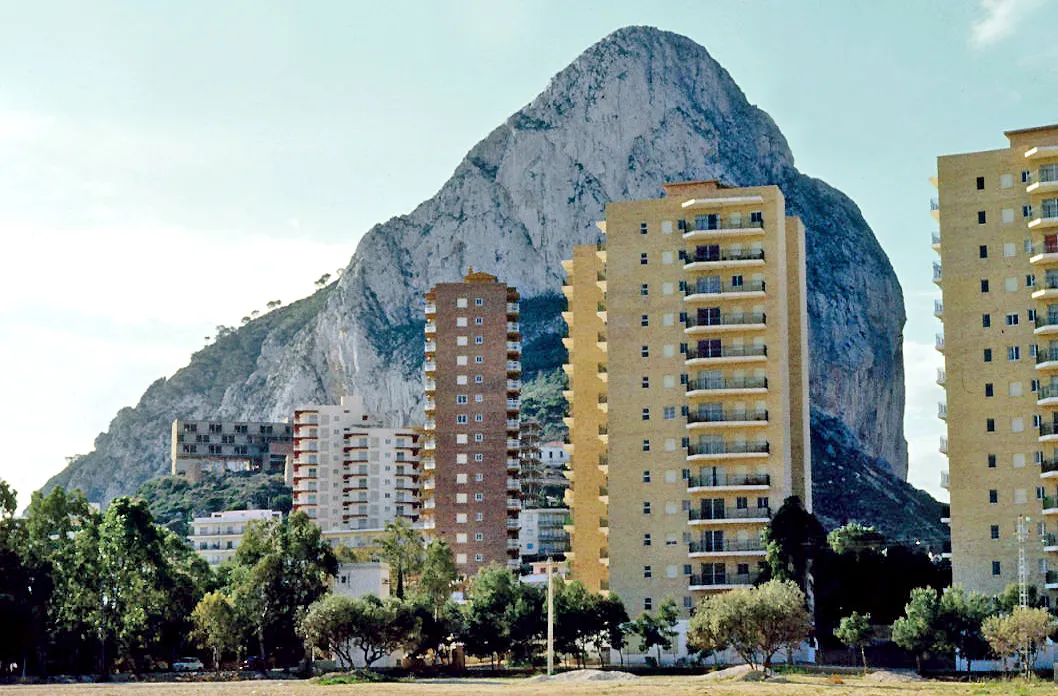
(149, 148)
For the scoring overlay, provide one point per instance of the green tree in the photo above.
(916, 631)
(958, 624)
(438, 575)
(613, 618)
(655, 630)
(216, 625)
(577, 619)
(855, 632)
(402, 548)
(793, 539)
(855, 538)
(329, 624)
(1010, 598)
(502, 616)
(380, 627)
(668, 616)
(1019, 633)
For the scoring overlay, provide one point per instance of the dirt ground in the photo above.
(797, 685)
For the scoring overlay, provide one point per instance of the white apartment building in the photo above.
(553, 454)
(350, 472)
(216, 537)
(541, 533)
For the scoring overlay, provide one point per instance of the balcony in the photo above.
(513, 308)
(935, 241)
(513, 464)
(1050, 543)
(730, 450)
(514, 347)
(512, 524)
(708, 547)
(428, 464)
(1050, 580)
(711, 515)
(513, 485)
(429, 385)
(512, 444)
(945, 514)
(720, 581)
(514, 404)
(514, 504)
(945, 480)
(714, 228)
(718, 481)
(1047, 359)
(514, 384)
(431, 327)
(431, 347)
(730, 418)
(942, 411)
(727, 385)
(934, 208)
(1047, 395)
(937, 273)
(512, 424)
(939, 342)
(1048, 431)
(711, 292)
(1049, 503)
(730, 321)
(1048, 215)
(943, 447)
(513, 328)
(429, 484)
(729, 354)
(514, 366)
(938, 308)
(1046, 324)
(1045, 254)
(708, 260)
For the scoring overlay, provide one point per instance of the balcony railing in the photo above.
(709, 513)
(703, 256)
(934, 204)
(1046, 355)
(714, 383)
(1048, 428)
(715, 579)
(710, 546)
(937, 272)
(942, 375)
(1050, 577)
(729, 319)
(1049, 246)
(714, 224)
(1047, 391)
(513, 327)
(725, 288)
(727, 416)
(942, 410)
(1049, 540)
(1046, 320)
(727, 448)
(940, 341)
(708, 480)
(1049, 502)
(695, 353)
(934, 238)
(1049, 465)
(938, 307)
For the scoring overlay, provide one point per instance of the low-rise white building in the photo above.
(216, 537)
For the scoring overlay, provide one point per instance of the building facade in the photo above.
(215, 538)
(471, 446)
(531, 473)
(543, 534)
(998, 274)
(688, 370)
(222, 447)
(351, 472)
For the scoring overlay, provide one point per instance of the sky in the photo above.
(169, 167)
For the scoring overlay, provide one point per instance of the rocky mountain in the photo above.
(637, 109)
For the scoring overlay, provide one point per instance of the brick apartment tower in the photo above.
(688, 372)
(998, 242)
(471, 448)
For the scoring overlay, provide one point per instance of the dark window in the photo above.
(982, 251)
(981, 217)
(642, 228)
(996, 568)
(646, 445)
(643, 259)
(984, 285)
(646, 507)
(644, 320)
(646, 476)
(994, 530)
(644, 351)
(991, 461)
(644, 289)
(646, 540)
(646, 383)
(646, 414)
(986, 319)
(988, 355)
(993, 497)
(980, 183)
(989, 391)
(990, 425)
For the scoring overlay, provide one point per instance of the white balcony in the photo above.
(942, 410)
(939, 342)
(431, 347)
(513, 444)
(431, 308)
(513, 384)
(513, 308)
(513, 327)
(431, 327)
(942, 376)
(945, 480)
(943, 447)
(514, 366)
(938, 308)
(514, 346)
(429, 366)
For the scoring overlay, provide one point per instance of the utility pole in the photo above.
(550, 620)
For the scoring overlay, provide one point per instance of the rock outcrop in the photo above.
(637, 109)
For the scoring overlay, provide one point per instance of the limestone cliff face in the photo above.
(639, 108)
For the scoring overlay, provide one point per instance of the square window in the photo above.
(478, 437)
(666, 227)
(669, 413)
(461, 321)
(479, 497)
(461, 398)
(1013, 319)
(461, 303)
(1010, 284)
(479, 340)
(478, 536)
(478, 398)
(478, 321)
(1017, 425)
(666, 258)
(478, 379)
(479, 516)
(461, 379)
(981, 217)
(1014, 353)
(479, 302)
(479, 418)
(1007, 216)
(479, 359)
(479, 557)
(461, 418)
(1014, 389)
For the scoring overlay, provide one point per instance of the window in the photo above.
(646, 476)
(1026, 176)
(479, 557)
(479, 359)
(1008, 217)
(646, 445)
(479, 497)
(479, 418)
(688, 602)
(479, 477)
(981, 217)
(461, 398)
(988, 355)
(647, 572)
(478, 321)
(479, 302)
(643, 259)
(982, 251)
(1006, 181)
(666, 258)
(461, 303)
(1017, 425)
(478, 536)
(644, 320)
(984, 285)
(479, 516)
(980, 183)
(669, 413)
(989, 392)
(645, 383)
(646, 507)
(666, 288)
(646, 414)
(1014, 353)
(1030, 280)
(994, 531)
(646, 540)
(990, 425)
(644, 351)
(478, 437)
(991, 461)
(461, 418)
(648, 604)
(478, 340)
(1011, 284)
(644, 290)
(1030, 315)
(478, 398)
(986, 320)
(996, 568)
(478, 379)
(461, 340)
(757, 217)
(1026, 211)
(1013, 319)
(1035, 386)
(642, 228)
(993, 497)
(461, 321)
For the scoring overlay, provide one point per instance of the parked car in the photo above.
(187, 664)
(253, 664)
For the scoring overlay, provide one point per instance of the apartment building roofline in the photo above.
(1033, 129)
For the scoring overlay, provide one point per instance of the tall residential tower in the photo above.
(471, 448)
(998, 245)
(688, 370)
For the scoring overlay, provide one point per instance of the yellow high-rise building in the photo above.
(688, 369)
(998, 243)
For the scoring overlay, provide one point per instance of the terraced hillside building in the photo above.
(688, 371)
(223, 447)
(998, 274)
(472, 375)
(351, 471)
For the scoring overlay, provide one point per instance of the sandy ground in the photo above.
(797, 685)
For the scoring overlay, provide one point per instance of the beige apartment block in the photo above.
(216, 537)
(225, 447)
(472, 377)
(688, 389)
(998, 274)
(350, 471)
